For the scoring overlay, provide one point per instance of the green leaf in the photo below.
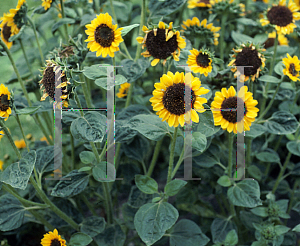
(45, 159)
(187, 233)
(102, 82)
(294, 147)
(248, 218)
(111, 236)
(77, 182)
(281, 229)
(84, 169)
(137, 198)
(199, 141)
(269, 79)
(86, 19)
(28, 110)
(11, 213)
(61, 22)
(245, 194)
(260, 211)
(281, 123)
(254, 172)
(104, 172)
(87, 157)
(209, 158)
(247, 22)
(239, 38)
(163, 8)
(172, 188)
(93, 225)
(153, 219)
(137, 149)
(260, 38)
(146, 184)
(255, 130)
(95, 71)
(224, 181)
(133, 70)
(127, 29)
(231, 238)
(122, 9)
(268, 155)
(91, 127)
(220, 228)
(206, 124)
(296, 228)
(279, 68)
(18, 173)
(80, 239)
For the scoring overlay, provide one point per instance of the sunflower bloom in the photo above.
(5, 109)
(1, 134)
(200, 61)
(224, 109)
(104, 37)
(1, 165)
(162, 42)
(282, 17)
(123, 90)
(20, 144)
(248, 55)
(292, 67)
(53, 239)
(198, 3)
(282, 40)
(6, 34)
(47, 3)
(168, 99)
(45, 139)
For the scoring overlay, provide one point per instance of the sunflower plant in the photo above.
(131, 123)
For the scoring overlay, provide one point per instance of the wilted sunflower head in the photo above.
(282, 40)
(252, 57)
(104, 37)
(5, 102)
(123, 90)
(282, 17)
(169, 98)
(234, 112)
(53, 239)
(198, 3)
(16, 18)
(6, 34)
(206, 32)
(162, 42)
(47, 3)
(200, 61)
(48, 82)
(292, 67)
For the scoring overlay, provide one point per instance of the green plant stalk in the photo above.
(36, 38)
(223, 22)
(21, 128)
(87, 203)
(25, 56)
(97, 8)
(178, 164)
(275, 149)
(87, 94)
(142, 23)
(63, 16)
(230, 146)
(248, 153)
(263, 105)
(48, 123)
(154, 158)
(172, 151)
(39, 123)
(292, 198)
(78, 103)
(284, 165)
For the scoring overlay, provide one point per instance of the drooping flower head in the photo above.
(123, 90)
(162, 42)
(206, 32)
(282, 40)
(6, 34)
(104, 37)
(282, 17)
(53, 239)
(225, 109)
(200, 61)
(248, 55)
(48, 82)
(198, 3)
(168, 98)
(232, 8)
(292, 67)
(5, 109)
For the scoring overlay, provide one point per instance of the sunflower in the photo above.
(282, 40)
(1, 165)
(200, 61)
(48, 82)
(1, 134)
(282, 17)
(16, 18)
(20, 144)
(193, 28)
(220, 7)
(248, 55)
(45, 139)
(5, 109)
(292, 67)
(53, 239)
(6, 34)
(225, 113)
(104, 37)
(47, 3)
(123, 90)
(168, 98)
(198, 3)
(162, 42)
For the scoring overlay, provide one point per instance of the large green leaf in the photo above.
(173, 187)
(187, 233)
(104, 172)
(137, 198)
(93, 225)
(269, 79)
(153, 219)
(133, 70)
(61, 22)
(268, 155)
(68, 188)
(146, 184)
(206, 124)
(102, 82)
(245, 194)
(87, 157)
(95, 71)
(45, 159)
(28, 110)
(255, 130)
(137, 148)
(91, 127)
(239, 38)
(127, 29)
(294, 147)
(18, 173)
(80, 239)
(220, 228)
(166, 7)
(199, 141)
(111, 236)
(231, 238)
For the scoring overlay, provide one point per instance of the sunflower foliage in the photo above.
(171, 122)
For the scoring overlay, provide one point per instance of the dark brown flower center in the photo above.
(202, 60)
(4, 102)
(49, 82)
(6, 32)
(248, 57)
(270, 42)
(203, 1)
(173, 99)
(104, 35)
(55, 242)
(292, 69)
(280, 16)
(230, 113)
(157, 45)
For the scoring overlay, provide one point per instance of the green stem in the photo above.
(96, 4)
(172, 151)
(39, 123)
(222, 43)
(230, 146)
(142, 23)
(144, 167)
(48, 123)
(63, 16)
(248, 153)
(25, 56)
(88, 204)
(21, 128)
(178, 163)
(129, 95)
(154, 158)
(36, 38)
(78, 103)
(108, 202)
(87, 94)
